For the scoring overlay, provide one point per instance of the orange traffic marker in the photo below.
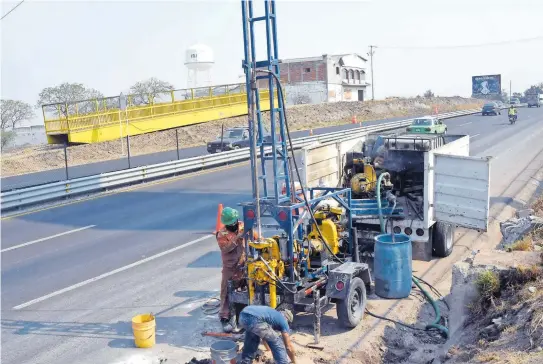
(353, 120)
(219, 225)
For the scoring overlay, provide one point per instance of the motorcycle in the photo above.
(512, 119)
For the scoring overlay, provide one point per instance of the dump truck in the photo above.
(431, 186)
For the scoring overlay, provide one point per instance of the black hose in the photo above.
(394, 321)
(434, 290)
(282, 95)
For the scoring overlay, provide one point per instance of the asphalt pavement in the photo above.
(73, 276)
(59, 174)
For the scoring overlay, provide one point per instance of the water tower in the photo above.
(199, 61)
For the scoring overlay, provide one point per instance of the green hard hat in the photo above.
(229, 216)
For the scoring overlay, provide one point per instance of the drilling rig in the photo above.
(310, 258)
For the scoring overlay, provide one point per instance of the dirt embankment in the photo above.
(301, 117)
(495, 306)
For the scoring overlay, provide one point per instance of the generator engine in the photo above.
(361, 176)
(364, 183)
(332, 229)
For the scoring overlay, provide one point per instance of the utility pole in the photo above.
(371, 52)
(510, 92)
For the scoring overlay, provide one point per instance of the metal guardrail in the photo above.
(69, 188)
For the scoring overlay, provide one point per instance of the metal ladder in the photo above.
(278, 157)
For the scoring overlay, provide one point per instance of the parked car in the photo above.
(500, 104)
(491, 108)
(233, 138)
(427, 125)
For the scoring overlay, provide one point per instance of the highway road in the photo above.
(32, 179)
(73, 276)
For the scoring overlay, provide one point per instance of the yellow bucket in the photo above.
(144, 330)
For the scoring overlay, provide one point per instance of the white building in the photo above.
(327, 78)
(28, 135)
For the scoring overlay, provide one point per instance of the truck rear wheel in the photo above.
(442, 239)
(351, 310)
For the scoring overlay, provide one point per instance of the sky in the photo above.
(110, 45)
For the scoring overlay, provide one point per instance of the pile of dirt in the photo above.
(300, 117)
(506, 321)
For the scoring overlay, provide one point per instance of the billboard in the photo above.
(489, 85)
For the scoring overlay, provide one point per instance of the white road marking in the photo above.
(45, 239)
(473, 136)
(465, 124)
(110, 273)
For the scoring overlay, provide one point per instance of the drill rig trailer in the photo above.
(310, 264)
(429, 185)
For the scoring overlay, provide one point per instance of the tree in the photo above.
(429, 94)
(14, 112)
(534, 89)
(301, 99)
(145, 92)
(504, 96)
(78, 99)
(7, 136)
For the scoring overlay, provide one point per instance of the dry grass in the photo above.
(525, 244)
(503, 357)
(487, 357)
(538, 207)
(488, 284)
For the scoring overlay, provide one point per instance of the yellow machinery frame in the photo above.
(111, 123)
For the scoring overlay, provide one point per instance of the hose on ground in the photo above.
(436, 324)
(212, 306)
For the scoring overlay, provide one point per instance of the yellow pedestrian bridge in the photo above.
(110, 118)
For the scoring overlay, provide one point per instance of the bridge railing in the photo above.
(61, 118)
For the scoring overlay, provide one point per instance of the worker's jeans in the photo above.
(256, 330)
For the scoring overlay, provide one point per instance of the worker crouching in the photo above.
(231, 244)
(265, 323)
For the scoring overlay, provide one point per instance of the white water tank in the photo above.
(199, 60)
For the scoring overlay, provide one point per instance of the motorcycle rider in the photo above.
(512, 111)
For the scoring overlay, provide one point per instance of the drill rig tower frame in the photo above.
(313, 260)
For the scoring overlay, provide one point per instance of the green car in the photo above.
(427, 125)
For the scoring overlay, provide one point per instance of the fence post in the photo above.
(128, 149)
(222, 137)
(66, 160)
(177, 141)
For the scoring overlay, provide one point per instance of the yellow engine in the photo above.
(365, 182)
(330, 229)
(266, 269)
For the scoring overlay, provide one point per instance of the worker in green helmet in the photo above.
(230, 240)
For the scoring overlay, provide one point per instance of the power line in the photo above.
(489, 44)
(12, 9)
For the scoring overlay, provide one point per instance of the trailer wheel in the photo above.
(351, 310)
(442, 239)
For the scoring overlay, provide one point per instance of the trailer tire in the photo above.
(351, 310)
(442, 239)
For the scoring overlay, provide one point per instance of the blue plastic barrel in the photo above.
(392, 266)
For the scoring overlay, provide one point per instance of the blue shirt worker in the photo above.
(263, 322)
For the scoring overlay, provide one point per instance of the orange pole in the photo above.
(219, 225)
